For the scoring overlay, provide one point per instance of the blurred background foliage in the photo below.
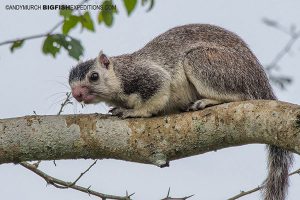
(56, 40)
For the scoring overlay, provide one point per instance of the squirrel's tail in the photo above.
(276, 184)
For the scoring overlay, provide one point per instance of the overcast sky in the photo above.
(31, 81)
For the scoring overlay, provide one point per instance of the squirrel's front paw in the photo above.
(127, 113)
(117, 111)
(121, 112)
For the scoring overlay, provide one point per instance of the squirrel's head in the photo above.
(94, 80)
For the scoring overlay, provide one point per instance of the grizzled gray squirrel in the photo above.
(188, 67)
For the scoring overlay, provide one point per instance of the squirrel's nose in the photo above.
(78, 92)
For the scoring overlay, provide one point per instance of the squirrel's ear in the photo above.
(103, 60)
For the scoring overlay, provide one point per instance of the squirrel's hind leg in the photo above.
(213, 73)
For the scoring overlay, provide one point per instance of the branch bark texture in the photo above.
(154, 140)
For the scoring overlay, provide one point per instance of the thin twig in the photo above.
(63, 184)
(285, 50)
(171, 198)
(244, 193)
(294, 36)
(24, 38)
(66, 102)
(48, 33)
(295, 172)
(79, 177)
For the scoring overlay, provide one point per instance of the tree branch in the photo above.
(285, 50)
(293, 37)
(67, 185)
(281, 80)
(63, 185)
(83, 173)
(244, 193)
(154, 140)
(50, 32)
(171, 198)
(33, 36)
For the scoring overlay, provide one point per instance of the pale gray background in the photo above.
(32, 81)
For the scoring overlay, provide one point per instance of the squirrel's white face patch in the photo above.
(93, 82)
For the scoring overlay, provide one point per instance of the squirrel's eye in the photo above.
(94, 76)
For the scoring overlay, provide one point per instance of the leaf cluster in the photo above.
(54, 43)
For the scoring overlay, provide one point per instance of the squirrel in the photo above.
(188, 67)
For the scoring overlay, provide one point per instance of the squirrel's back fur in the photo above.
(198, 63)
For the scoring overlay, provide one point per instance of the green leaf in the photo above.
(144, 2)
(16, 44)
(65, 13)
(69, 24)
(106, 15)
(87, 22)
(75, 48)
(53, 44)
(50, 46)
(130, 5)
(70, 21)
(61, 40)
(108, 6)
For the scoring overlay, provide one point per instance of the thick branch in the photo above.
(150, 140)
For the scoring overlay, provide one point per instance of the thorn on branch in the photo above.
(80, 176)
(37, 164)
(171, 198)
(129, 195)
(63, 184)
